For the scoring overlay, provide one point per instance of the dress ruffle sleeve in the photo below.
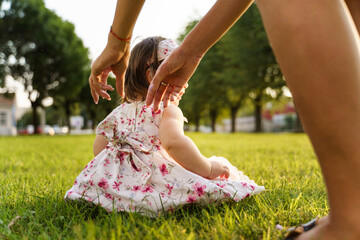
(108, 126)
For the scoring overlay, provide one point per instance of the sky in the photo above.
(93, 18)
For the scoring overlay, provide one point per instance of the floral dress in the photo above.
(135, 174)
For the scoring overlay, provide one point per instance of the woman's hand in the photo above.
(176, 71)
(114, 58)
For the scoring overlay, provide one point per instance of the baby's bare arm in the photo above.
(99, 144)
(179, 146)
(182, 148)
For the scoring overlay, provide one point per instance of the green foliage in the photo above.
(251, 64)
(241, 65)
(290, 121)
(36, 171)
(194, 102)
(206, 91)
(25, 120)
(41, 51)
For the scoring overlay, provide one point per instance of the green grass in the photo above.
(36, 171)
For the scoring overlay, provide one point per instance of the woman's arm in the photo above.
(126, 13)
(182, 63)
(220, 18)
(116, 53)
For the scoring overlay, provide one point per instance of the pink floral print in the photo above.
(136, 188)
(163, 169)
(135, 174)
(191, 199)
(116, 185)
(103, 184)
(199, 189)
(147, 188)
(169, 188)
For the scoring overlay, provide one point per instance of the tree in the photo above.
(74, 68)
(234, 92)
(241, 65)
(201, 96)
(41, 51)
(192, 107)
(191, 104)
(251, 68)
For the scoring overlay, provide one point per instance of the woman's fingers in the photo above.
(109, 60)
(159, 96)
(104, 87)
(168, 93)
(175, 70)
(104, 95)
(120, 85)
(155, 92)
(98, 86)
(119, 70)
(101, 93)
(99, 89)
(104, 74)
(94, 95)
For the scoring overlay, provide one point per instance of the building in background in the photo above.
(247, 124)
(8, 114)
(281, 120)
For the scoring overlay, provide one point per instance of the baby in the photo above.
(143, 161)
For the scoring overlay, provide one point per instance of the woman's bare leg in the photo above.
(317, 47)
(354, 7)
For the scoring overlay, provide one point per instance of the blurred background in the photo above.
(46, 48)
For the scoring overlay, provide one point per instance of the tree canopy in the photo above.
(240, 66)
(42, 51)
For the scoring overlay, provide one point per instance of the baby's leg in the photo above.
(319, 54)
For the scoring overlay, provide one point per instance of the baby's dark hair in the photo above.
(143, 56)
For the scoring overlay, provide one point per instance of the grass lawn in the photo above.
(36, 171)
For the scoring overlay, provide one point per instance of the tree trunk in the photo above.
(258, 109)
(213, 115)
(68, 114)
(93, 120)
(197, 124)
(35, 117)
(233, 111)
(298, 128)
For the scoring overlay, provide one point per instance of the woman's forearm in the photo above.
(127, 11)
(214, 25)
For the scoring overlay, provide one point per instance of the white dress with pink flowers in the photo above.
(135, 174)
